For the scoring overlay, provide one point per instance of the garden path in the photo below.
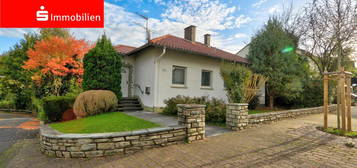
(165, 120)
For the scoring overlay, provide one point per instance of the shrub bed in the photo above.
(54, 106)
(215, 108)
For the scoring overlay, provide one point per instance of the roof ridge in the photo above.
(124, 45)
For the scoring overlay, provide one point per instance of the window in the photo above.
(179, 75)
(206, 78)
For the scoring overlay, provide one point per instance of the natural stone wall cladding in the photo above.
(255, 119)
(95, 145)
(237, 116)
(191, 128)
(192, 116)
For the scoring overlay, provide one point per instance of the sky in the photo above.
(231, 23)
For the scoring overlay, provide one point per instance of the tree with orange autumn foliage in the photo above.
(56, 60)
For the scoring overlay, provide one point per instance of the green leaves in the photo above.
(102, 68)
(272, 54)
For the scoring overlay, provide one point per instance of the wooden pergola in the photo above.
(343, 79)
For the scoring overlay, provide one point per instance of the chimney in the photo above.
(208, 40)
(190, 33)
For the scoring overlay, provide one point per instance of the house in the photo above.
(168, 66)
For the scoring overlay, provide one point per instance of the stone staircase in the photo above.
(129, 104)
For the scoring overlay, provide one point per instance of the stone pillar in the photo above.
(192, 116)
(237, 116)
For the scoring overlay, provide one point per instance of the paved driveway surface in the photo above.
(14, 127)
(287, 143)
(172, 121)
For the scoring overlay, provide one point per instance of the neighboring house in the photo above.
(244, 53)
(168, 66)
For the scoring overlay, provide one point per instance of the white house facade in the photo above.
(168, 66)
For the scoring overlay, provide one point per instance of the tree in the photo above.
(327, 28)
(16, 80)
(272, 54)
(59, 32)
(102, 67)
(55, 61)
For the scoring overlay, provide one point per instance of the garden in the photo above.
(67, 83)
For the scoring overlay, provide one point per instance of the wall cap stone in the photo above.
(252, 116)
(49, 132)
(191, 105)
(237, 104)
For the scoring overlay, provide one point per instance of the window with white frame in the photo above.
(206, 78)
(178, 75)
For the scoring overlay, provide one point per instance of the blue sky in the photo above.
(231, 22)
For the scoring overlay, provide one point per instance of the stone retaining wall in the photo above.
(191, 128)
(237, 116)
(255, 119)
(94, 145)
(192, 116)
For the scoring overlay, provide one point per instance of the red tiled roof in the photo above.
(124, 49)
(178, 43)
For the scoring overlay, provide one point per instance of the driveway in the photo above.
(164, 120)
(14, 127)
(287, 143)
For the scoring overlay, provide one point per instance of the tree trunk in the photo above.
(271, 102)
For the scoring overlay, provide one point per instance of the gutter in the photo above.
(157, 63)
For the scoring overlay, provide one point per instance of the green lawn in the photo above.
(107, 122)
(259, 111)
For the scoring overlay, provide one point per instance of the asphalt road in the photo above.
(11, 130)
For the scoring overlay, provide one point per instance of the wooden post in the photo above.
(348, 102)
(343, 101)
(325, 100)
(338, 90)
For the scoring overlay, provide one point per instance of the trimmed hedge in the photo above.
(94, 102)
(54, 106)
(215, 108)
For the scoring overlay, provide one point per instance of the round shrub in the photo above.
(94, 102)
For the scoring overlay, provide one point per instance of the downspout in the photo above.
(157, 63)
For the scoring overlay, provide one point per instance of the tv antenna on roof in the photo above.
(147, 30)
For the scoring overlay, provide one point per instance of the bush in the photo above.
(253, 104)
(94, 102)
(37, 109)
(54, 106)
(215, 108)
(7, 104)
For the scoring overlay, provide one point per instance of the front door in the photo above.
(125, 81)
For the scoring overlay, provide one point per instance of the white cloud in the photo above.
(241, 35)
(160, 2)
(275, 9)
(209, 15)
(258, 4)
(242, 20)
(18, 32)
